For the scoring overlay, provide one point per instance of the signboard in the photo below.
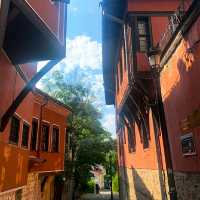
(191, 121)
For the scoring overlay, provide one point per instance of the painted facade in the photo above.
(157, 119)
(26, 167)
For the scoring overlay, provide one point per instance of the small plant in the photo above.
(115, 183)
(90, 186)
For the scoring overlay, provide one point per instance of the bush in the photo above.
(90, 186)
(115, 184)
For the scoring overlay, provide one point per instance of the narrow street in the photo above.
(104, 195)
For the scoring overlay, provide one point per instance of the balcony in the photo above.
(174, 21)
(35, 31)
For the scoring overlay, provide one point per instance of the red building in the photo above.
(157, 106)
(32, 125)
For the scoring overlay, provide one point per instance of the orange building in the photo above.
(32, 124)
(157, 108)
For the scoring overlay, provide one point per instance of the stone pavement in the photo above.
(104, 195)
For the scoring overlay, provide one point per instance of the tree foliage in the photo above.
(90, 142)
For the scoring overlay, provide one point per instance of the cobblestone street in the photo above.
(104, 195)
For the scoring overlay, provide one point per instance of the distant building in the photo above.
(32, 124)
(157, 110)
(99, 172)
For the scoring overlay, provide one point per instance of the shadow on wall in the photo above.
(181, 99)
(141, 191)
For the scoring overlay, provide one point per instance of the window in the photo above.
(131, 138)
(45, 137)
(121, 69)
(124, 55)
(124, 134)
(14, 132)
(144, 130)
(25, 135)
(34, 134)
(117, 81)
(143, 34)
(55, 139)
(188, 145)
(129, 49)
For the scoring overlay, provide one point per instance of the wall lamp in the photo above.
(154, 59)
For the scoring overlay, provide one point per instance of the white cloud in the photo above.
(108, 123)
(84, 52)
(81, 52)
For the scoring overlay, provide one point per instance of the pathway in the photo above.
(104, 195)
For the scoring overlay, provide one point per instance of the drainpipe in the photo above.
(40, 126)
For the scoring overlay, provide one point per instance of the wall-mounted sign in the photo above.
(191, 121)
(187, 144)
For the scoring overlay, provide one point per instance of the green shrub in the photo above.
(90, 186)
(115, 184)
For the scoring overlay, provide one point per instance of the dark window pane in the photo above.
(143, 34)
(131, 138)
(121, 70)
(14, 132)
(55, 139)
(117, 81)
(142, 28)
(25, 135)
(45, 138)
(144, 129)
(143, 44)
(34, 134)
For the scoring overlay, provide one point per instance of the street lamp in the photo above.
(154, 58)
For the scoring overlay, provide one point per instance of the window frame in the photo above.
(26, 146)
(146, 21)
(121, 69)
(19, 129)
(42, 137)
(145, 130)
(36, 139)
(117, 80)
(58, 142)
(131, 137)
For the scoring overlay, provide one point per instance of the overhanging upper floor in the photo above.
(33, 30)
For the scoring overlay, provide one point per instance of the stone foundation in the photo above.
(142, 184)
(32, 191)
(187, 186)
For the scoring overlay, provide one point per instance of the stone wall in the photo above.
(144, 184)
(123, 184)
(32, 189)
(29, 192)
(188, 186)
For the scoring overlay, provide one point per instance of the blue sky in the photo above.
(83, 62)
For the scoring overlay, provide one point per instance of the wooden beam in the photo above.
(4, 8)
(25, 91)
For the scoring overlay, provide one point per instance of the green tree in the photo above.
(90, 142)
